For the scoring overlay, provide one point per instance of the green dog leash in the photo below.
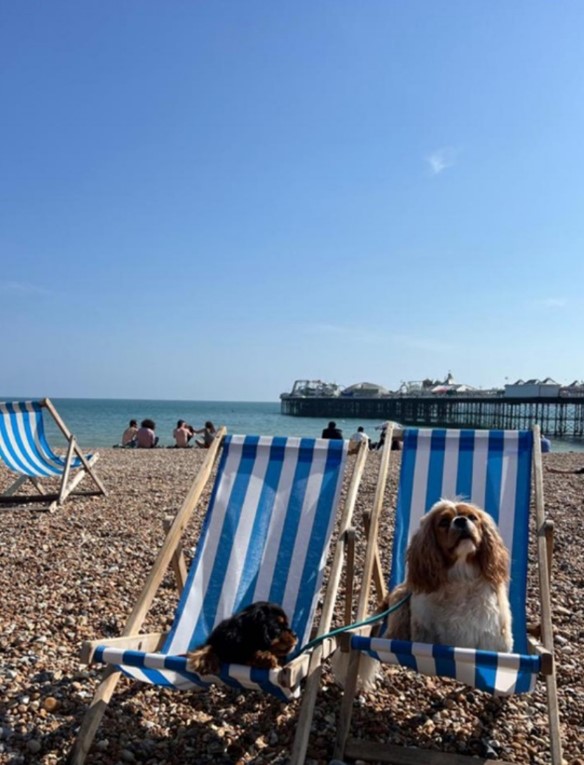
(355, 625)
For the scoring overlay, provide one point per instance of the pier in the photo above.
(561, 416)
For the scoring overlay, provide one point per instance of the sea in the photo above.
(101, 422)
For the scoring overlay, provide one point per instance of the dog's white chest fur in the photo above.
(466, 612)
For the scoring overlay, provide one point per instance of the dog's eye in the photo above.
(444, 523)
(472, 518)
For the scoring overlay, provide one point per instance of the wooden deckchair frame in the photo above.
(170, 554)
(66, 487)
(306, 711)
(399, 755)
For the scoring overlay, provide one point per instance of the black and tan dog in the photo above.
(258, 636)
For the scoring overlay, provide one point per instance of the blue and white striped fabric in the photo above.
(23, 444)
(491, 469)
(265, 537)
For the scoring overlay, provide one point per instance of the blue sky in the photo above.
(208, 200)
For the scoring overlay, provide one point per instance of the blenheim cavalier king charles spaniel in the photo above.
(457, 576)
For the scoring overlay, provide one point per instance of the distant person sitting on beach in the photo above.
(546, 444)
(358, 437)
(129, 437)
(379, 444)
(396, 443)
(181, 435)
(332, 431)
(209, 434)
(146, 438)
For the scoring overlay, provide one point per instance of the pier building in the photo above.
(559, 413)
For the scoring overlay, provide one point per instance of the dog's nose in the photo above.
(460, 522)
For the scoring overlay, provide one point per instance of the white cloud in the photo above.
(552, 302)
(22, 288)
(440, 159)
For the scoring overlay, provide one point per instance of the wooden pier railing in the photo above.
(561, 417)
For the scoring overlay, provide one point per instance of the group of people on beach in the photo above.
(332, 431)
(184, 433)
(144, 437)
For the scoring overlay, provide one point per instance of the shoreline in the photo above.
(75, 574)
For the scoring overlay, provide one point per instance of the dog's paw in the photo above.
(264, 660)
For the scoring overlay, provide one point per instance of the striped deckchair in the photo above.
(265, 536)
(25, 450)
(494, 470)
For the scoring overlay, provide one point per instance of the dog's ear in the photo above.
(426, 565)
(263, 626)
(492, 555)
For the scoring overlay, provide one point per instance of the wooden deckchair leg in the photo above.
(38, 486)
(65, 477)
(548, 530)
(369, 568)
(47, 403)
(104, 692)
(178, 562)
(349, 575)
(93, 716)
(76, 481)
(550, 679)
(378, 578)
(554, 718)
(14, 487)
(346, 711)
(300, 745)
(544, 544)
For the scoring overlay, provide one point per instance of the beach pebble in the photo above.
(50, 704)
(33, 746)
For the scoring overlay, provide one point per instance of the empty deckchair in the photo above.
(25, 450)
(492, 469)
(265, 536)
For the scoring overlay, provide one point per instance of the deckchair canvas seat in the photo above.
(171, 671)
(501, 674)
(25, 450)
(494, 470)
(265, 536)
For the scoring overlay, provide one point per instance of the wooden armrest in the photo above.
(547, 658)
(296, 670)
(349, 533)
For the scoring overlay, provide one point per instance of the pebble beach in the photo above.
(74, 574)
